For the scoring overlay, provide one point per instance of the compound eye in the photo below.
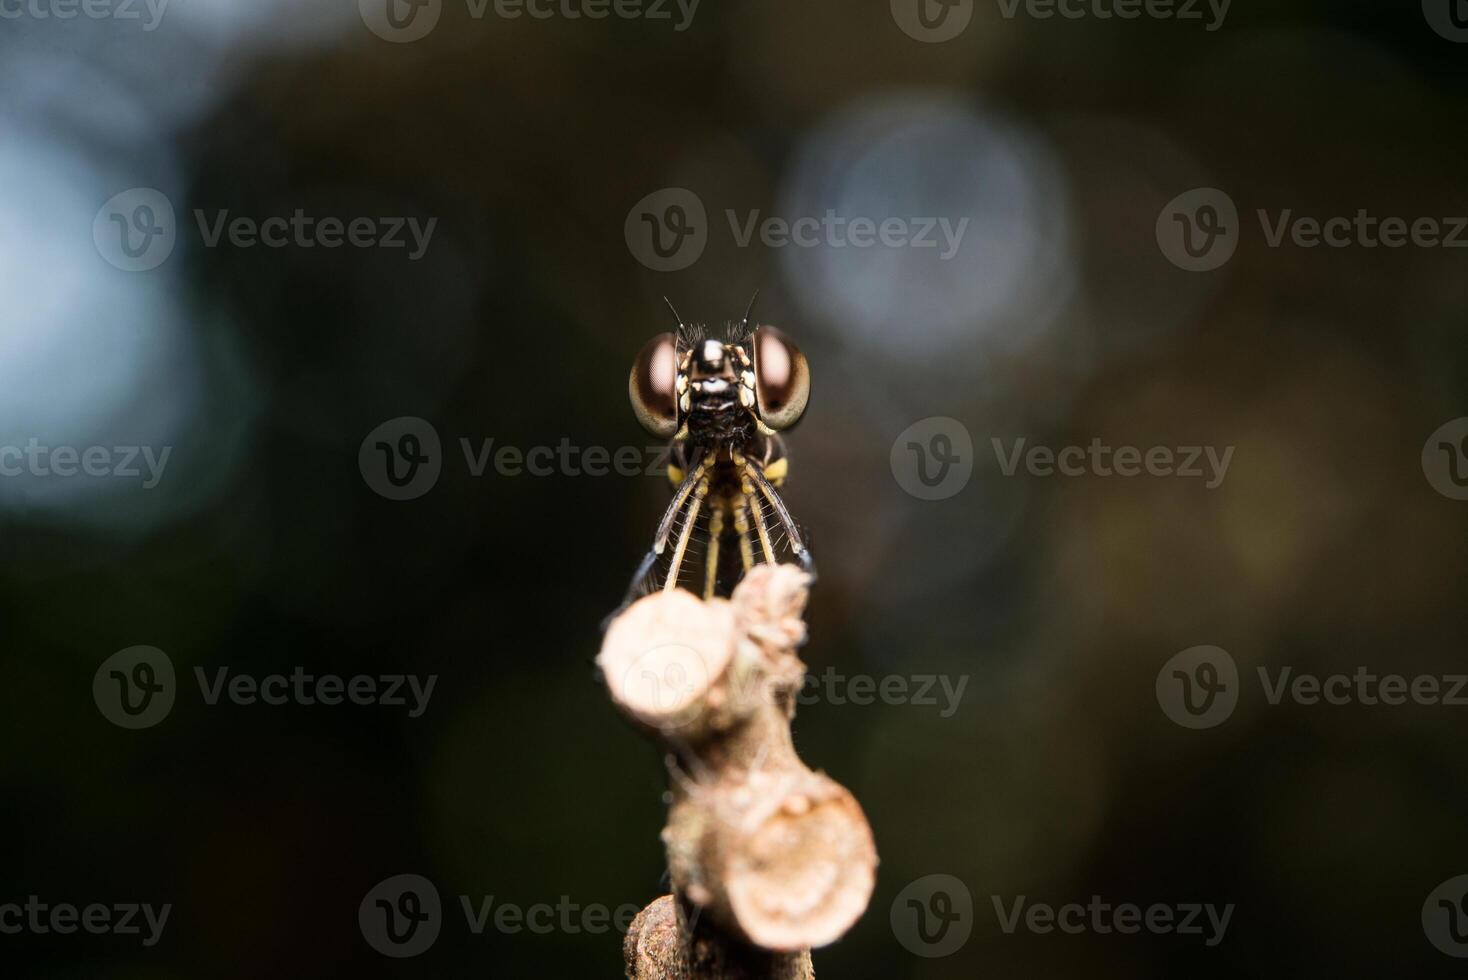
(651, 386)
(781, 378)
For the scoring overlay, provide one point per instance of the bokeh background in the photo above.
(531, 143)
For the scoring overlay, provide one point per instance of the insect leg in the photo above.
(665, 526)
(741, 527)
(634, 587)
(745, 472)
(759, 512)
(711, 559)
(643, 568)
(695, 504)
(797, 543)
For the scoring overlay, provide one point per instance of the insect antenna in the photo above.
(688, 334)
(741, 330)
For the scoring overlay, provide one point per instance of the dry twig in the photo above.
(767, 858)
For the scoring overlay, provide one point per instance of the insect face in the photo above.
(716, 396)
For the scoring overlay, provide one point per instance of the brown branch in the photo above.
(767, 858)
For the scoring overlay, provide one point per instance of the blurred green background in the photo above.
(532, 143)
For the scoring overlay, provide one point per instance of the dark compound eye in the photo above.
(651, 386)
(781, 378)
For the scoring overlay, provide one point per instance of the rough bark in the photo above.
(768, 859)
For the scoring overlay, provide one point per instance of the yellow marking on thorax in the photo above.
(776, 471)
(675, 475)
